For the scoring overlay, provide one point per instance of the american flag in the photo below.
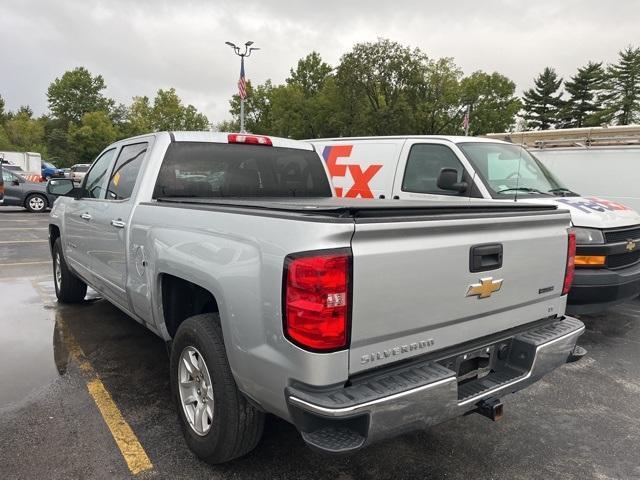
(465, 122)
(242, 82)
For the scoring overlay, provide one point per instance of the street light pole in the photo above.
(242, 82)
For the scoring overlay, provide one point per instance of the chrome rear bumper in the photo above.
(423, 394)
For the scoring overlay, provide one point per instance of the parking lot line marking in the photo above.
(23, 241)
(24, 263)
(130, 447)
(4, 229)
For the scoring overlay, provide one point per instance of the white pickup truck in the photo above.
(479, 169)
(353, 320)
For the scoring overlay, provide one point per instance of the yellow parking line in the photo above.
(24, 241)
(129, 445)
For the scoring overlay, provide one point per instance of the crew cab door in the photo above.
(108, 255)
(419, 167)
(79, 223)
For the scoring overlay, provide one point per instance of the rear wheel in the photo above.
(36, 203)
(69, 288)
(218, 422)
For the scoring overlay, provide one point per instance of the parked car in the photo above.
(354, 320)
(18, 191)
(78, 171)
(465, 169)
(1, 186)
(50, 171)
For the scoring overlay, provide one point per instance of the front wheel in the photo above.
(69, 288)
(218, 422)
(36, 203)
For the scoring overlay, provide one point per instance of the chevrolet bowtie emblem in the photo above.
(485, 288)
(631, 245)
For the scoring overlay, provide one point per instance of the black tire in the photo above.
(236, 426)
(69, 288)
(36, 203)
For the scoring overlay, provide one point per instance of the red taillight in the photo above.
(316, 299)
(571, 263)
(249, 139)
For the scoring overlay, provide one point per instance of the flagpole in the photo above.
(242, 82)
(242, 130)
(467, 121)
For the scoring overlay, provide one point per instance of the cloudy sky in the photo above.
(148, 44)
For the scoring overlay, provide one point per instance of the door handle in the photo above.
(118, 223)
(485, 257)
(85, 216)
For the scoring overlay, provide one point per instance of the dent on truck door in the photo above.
(112, 212)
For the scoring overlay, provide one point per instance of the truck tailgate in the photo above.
(413, 291)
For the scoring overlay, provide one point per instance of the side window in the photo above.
(6, 176)
(423, 168)
(96, 175)
(125, 172)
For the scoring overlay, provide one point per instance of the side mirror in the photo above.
(448, 180)
(15, 182)
(63, 187)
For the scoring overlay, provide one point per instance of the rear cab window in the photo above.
(216, 170)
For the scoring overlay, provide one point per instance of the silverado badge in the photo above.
(485, 288)
(631, 245)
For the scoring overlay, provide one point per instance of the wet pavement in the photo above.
(581, 422)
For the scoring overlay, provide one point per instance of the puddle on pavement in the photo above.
(26, 343)
(31, 351)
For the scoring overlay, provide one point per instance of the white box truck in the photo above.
(467, 169)
(28, 161)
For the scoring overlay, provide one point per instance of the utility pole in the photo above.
(242, 82)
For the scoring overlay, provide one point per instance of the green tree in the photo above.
(139, 117)
(310, 74)
(584, 89)
(3, 113)
(76, 93)
(492, 101)
(301, 107)
(543, 102)
(94, 132)
(623, 88)
(168, 113)
(26, 133)
(257, 110)
(385, 74)
(438, 106)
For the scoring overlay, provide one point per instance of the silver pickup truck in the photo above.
(354, 320)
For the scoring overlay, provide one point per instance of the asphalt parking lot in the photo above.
(581, 422)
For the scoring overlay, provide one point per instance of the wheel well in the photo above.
(54, 234)
(182, 299)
